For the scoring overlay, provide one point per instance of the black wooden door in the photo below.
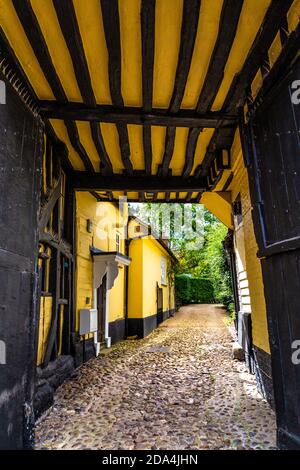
(102, 310)
(159, 300)
(274, 170)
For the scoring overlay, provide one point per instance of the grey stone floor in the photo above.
(178, 388)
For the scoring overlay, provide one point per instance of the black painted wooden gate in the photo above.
(274, 170)
(21, 143)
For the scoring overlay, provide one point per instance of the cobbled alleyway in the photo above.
(178, 388)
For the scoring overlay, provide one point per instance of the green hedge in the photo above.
(195, 290)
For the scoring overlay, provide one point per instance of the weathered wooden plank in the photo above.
(148, 38)
(111, 24)
(85, 181)
(135, 115)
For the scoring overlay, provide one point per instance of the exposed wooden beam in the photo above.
(223, 138)
(227, 30)
(85, 181)
(35, 36)
(70, 29)
(134, 115)
(158, 200)
(148, 38)
(190, 151)
(75, 141)
(229, 20)
(188, 197)
(111, 24)
(189, 26)
(169, 148)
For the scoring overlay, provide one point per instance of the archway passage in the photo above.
(161, 110)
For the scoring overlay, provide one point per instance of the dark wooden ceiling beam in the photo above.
(134, 115)
(229, 20)
(223, 138)
(111, 24)
(68, 22)
(35, 36)
(190, 151)
(85, 181)
(190, 17)
(148, 40)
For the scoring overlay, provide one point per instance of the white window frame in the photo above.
(163, 271)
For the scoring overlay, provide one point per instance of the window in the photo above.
(163, 272)
(117, 242)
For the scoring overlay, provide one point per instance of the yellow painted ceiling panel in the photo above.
(117, 194)
(60, 56)
(207, 33)
(111, 142)
(183, 195)
(178, 159)
(161, 195)
(18, 40)
(168, 16)
(89, 17)
(62, 134)
(252, 15)
(294, 15)
(158, 135)
(85, 137)
(131, 52)
(132, 195)
(194, 195)
(202, 143)
(135, 135)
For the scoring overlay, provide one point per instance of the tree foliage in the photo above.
(197, 243)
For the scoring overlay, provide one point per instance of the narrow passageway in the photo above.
(179, 388)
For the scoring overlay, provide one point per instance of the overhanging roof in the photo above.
(140, 88)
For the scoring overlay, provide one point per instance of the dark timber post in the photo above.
(21, 146)
(271, 141)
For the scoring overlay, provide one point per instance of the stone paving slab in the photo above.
(195, 396)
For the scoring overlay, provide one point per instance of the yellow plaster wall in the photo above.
(248, 252)
(135, 280)
(44, 327)
(220, 206)
(106, 223)
(144, 274)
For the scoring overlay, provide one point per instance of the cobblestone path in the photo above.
(178, 388)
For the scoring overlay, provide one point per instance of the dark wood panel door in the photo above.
(102, 310)
(274, 171)
(160, 306)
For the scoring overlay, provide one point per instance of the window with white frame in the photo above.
(163, 271)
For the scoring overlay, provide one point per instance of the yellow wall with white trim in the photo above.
(107, 221)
